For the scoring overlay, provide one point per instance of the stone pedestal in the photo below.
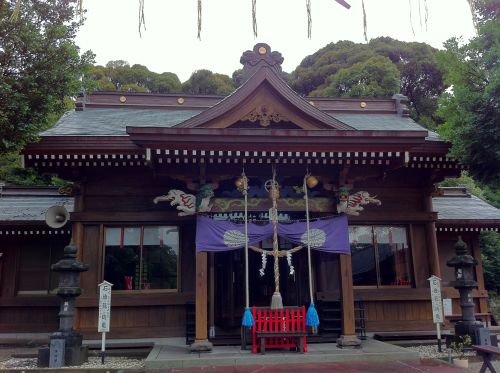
(201, 345)
(348, 341)
(73, 354)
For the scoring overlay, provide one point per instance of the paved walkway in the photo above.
(403, 366)
(171, 354)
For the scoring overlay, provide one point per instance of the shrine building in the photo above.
(147, 169)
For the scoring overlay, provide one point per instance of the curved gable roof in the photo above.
(265, 82)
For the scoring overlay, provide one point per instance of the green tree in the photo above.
(375, 77)
(471, 109)
(490, 246)
(40, 66)
(205, 82)
(420, 78)
(120, 76)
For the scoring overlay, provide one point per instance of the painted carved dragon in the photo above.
(353, 204)
(189, 204)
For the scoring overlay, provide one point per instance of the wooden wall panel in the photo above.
(446, 252)
(146, 321)
(398, 315)
(28, 319)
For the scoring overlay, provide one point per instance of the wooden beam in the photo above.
(476, 253)
(348, 337)
(201, 343)
(432, 247)
(211, 313)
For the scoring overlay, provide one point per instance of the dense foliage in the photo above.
(205, 82)
(380, 68)
(40, 66)
(120, 76)
(471, 109)
(490, 246)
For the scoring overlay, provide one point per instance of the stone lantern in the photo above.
(464, 283)
(65, 344)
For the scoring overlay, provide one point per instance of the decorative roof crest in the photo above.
(261, 55)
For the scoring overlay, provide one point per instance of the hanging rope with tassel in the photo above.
(142, 20)
(426, 13)
(199, 19)
(254, 18)
(309, 18)
(411, 20)
(365, 25)
(312, 318)
(247, 320)
(276, 300)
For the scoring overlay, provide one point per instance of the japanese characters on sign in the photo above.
(104, 307)
(437, 304)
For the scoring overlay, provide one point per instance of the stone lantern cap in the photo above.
(462, 258)
(69, 263)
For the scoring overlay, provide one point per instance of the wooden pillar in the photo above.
(77, 237)
(348, 337)
(432, 247)
(211, 303)
(476, 253)
(201, 342)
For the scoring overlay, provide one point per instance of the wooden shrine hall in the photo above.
(145, 168)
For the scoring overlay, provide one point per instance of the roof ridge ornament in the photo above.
(260, 56)
(401, 104)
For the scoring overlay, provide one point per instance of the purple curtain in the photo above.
(329, 235)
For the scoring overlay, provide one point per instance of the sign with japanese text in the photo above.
(437, 303)
(104, 307)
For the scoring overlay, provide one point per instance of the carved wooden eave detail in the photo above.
(265, 115)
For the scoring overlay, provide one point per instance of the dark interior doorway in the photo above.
(230, 283)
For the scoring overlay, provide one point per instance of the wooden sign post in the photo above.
(104, 314)
(437, 306)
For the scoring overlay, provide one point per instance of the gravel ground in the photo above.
(94, 362)
(431, 352)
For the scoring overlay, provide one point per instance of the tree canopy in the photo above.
(471, 108)
(40, 67)
(380, 68)
(118, 75)
(205, 82)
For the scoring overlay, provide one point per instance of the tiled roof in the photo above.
(30, 205)
(113, 122)
(462, 208)
(381, 122)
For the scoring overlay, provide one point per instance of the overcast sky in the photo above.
(169, 42)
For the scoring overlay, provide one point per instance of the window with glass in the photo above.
(380, 256)
(142, 258)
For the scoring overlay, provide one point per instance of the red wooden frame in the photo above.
(287, 319)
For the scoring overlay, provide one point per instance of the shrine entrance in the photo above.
(229, 285)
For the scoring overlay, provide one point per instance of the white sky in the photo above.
(170, 44)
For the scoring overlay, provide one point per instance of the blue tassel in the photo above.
(248, 318)
(312, 318)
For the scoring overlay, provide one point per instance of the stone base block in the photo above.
(201, 345)
(348, 341)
